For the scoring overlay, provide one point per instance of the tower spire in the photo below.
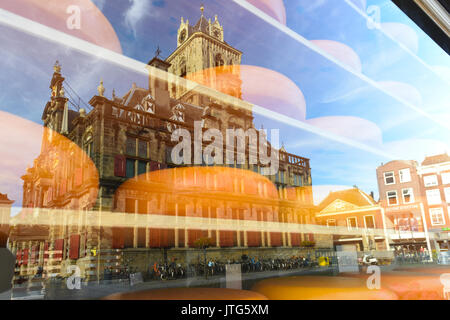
(202, 8)
(57, 67)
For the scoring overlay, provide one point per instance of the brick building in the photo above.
(415, 198)
(434, 173)
(354, 218)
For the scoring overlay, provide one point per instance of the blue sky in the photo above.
(344, 98)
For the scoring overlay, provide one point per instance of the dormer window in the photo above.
(147, 104)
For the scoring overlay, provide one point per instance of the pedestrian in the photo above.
(7, 262)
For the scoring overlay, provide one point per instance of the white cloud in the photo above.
(403, 34)
(355, 128)
(138, 10)
(416, 149)
(442, 71)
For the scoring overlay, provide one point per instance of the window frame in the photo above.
(396, 197)
(393, 177)
(447, 179)
(447, 194)
(335, 223)
(349, 227)
(430, 176)
(412, 200)
(442, 216)
(373, 220)
(427, 192)
(400, 175)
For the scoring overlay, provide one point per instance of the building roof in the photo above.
(4, 199)
(201, 25)
(353, 196)
(440, 158)
(135, 96)
(412, 163)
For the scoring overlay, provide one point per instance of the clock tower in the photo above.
(202, 55)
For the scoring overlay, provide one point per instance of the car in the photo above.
(369, 260)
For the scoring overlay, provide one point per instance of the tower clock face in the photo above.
(182, 36)
(217, 34)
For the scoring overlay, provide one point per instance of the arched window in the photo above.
(88, 145)
(183, 70)
(218, 60)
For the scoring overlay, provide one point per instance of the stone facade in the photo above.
(109, 160)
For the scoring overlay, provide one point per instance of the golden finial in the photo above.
(202, 8)
(57, 67)
(101, 88)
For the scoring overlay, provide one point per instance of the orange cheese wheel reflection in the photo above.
(320, 288)
(408, 285)
(189, 294)
(94, 26)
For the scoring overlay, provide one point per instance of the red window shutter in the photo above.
(226, 238)
(19, 257)
(120, 166)
(193, 235)
(181, 238)
(45, 251)
(118, 239)
(170, 236)
(74, 251)
(253, 239)
(295, 239)
(78, 177)
(59, 247)
(275, 239)
(154, 238)
(25, 256)
(164, 238)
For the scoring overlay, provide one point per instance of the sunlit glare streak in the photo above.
(401, 45)
(326, 55)
(106, 219)
(34, 28)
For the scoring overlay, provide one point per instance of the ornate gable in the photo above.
(339, 205)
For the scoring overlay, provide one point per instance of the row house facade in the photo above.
(354, 219)
(415, 199)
